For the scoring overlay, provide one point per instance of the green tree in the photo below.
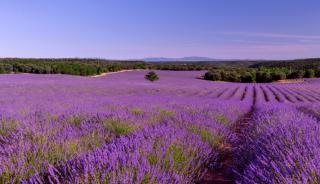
(213, 75)
(233, 77)
(296, 74)
(247, 77)
(317, 73)
(309, 73)
(152, 76)
(263, 76)
(278, 75)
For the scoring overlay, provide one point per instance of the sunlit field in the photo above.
(122, 128)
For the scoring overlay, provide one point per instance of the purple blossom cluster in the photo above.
(121, 128)
(286, 147)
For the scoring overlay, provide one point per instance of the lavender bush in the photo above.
(120, 129)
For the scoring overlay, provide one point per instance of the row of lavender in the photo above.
(122, 128)
(58, 129)
(283, 145)
(161, 144)
(174, 149)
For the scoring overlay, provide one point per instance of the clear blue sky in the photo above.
(127, 29)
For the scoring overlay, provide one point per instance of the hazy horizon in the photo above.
(246, 29)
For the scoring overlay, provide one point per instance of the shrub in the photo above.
(278, 76)
(262, 76)
(309, 73)
(247, 78)
(152, 76)
(232, 77)
(296, 74)
(213, 75)
(317, 73)
(208, 76)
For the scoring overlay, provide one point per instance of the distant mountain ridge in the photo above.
(191, 58)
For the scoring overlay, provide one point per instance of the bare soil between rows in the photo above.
(229, 163)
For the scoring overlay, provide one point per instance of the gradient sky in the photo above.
(132, 29)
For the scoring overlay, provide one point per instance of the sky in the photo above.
(134, 29)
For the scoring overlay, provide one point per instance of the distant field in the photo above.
(122, 128)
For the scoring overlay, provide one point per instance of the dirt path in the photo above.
(286, 81)
(109, 73)
(230, 161)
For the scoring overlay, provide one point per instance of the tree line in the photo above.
(88, 67)
(83, 67)
(260, 75)
(298, 64)
(234, 70)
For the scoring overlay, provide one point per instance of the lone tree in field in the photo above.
(152, 76)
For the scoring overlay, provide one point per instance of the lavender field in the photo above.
(122, 128)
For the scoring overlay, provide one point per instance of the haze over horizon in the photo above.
(246, 29)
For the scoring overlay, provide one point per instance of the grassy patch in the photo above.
(136, 111)
(222, 119)
(175, 157)
(178, 156)
(7, 127)
(92, 141)
(147, 179)
(152, 158)
(214, 140)
(163, 115)
(76, 120)
(166, 113)
(117, 127)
